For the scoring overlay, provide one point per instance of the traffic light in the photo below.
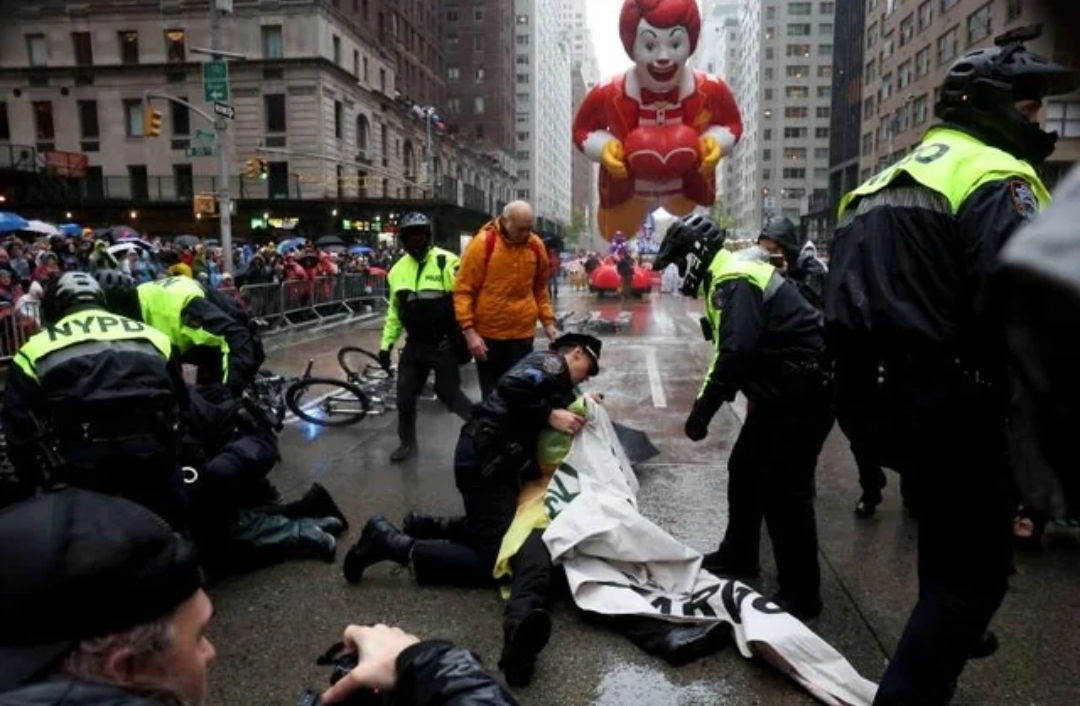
(151, 122)
(264, 169)
(252, 168)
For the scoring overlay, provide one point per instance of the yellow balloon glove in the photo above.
(613, 159)
(711, 152)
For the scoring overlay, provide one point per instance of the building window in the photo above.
(129, 47)
(478, 15)
(798, 30)
(827, 8)
(335, 43)
(946, 46)
(926, 15)
(796, 111)
(1013, 8)
(272, 45)
(274, 109)
(175, 45)
(978, 24)
(184, 181)
(1063, 117)
(824, 91)
(919, 110)
(922, 62)
(823, 111)
(825, 50)
(479, 74)
(478, 42)
(37, 50)
(795, 153)
(89, 130)
(825, 29)
(180, 117)
(947, 5)
(794, 133)
(794, 173)
(365, 73)
(907, 29)
(868, 143)
(453, 73)
(798, 71)
(821, 133)
(799, 8)
(769, 53)
(904, 75)
(339, 120)
(356, 62)
(478, 105)
(797, 92)
(797, 50)
(821, 153)
(824, 71)
(382, 81)
(83, 47)
(133, 117)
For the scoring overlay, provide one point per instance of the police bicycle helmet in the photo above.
(121, 293)
(982, 87)
(410, 224)
(691, 243)
(69, 293)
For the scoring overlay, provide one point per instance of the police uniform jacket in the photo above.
(915, 243)
(421, 298)
(92, 376)
(764, 332)
(180, 308)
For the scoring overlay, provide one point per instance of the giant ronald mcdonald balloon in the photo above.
(659, 130)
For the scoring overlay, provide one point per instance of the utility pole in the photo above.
(217, 9)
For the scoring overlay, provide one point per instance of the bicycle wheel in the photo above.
(336, 404)
(359, 363)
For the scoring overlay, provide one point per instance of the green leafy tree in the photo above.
(576, 229)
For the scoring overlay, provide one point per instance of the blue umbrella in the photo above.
(71, 230)
(290, 244)
(11, 222)
(360, 250)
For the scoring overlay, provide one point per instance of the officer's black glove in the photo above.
(384, 360)
(705, 408)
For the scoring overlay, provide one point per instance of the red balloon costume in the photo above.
(659, 130)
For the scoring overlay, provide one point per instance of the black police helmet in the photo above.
(67, 294)
(982, 87)
(691, 243)
(412, 224)
(121, 293)
(784, 233)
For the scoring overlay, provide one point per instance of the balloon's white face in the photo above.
(660, 54)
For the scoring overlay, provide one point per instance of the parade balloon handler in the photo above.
(659, 130)
(104, 605)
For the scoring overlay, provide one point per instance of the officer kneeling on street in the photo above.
(95, 400)
(769, 345)
(495, 454)
(225, 349)
(103, 605)
(422, 301)
(919, 361)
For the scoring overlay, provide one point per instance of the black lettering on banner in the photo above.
(56, 332)
(732, 594)
(107, 322)
(699, 603)
(663, 605)
(132, 326)
(643, 592)
(763, 605)
(84, 324)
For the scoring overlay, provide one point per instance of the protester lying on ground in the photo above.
(103, 605)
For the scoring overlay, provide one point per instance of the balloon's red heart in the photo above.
(661, 152)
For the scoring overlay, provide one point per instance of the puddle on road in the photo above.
(631, 685)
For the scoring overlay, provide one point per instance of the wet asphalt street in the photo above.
(271, 625)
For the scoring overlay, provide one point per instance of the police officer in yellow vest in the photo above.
(421, 302)
(206, 333)
(94, 401)
(769, 344)
(919, 362)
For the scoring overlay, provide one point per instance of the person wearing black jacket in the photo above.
(95, 400)
(129, 627)
(496, 452)
(769, 345)
(920, 365)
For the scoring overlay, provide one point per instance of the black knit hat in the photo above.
(79, 565)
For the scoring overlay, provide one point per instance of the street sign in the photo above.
(225, 111)
(200, 151)
(206, 136)
(215, 81)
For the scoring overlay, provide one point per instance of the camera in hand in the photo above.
(343, 663)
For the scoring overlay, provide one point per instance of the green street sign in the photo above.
(200, 151)
(206, 136)
(215, 81)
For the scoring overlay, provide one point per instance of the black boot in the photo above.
(522, 644)
(986, 647)
(314, 541)
(403, 453)
(420, 526)
(722, 563)
(684, 645)
(316, 502)
(803, 608)
(380, 541)
(867, 505)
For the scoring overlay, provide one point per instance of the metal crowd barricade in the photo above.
(17, 324)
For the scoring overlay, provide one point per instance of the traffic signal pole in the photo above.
(221, 130)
